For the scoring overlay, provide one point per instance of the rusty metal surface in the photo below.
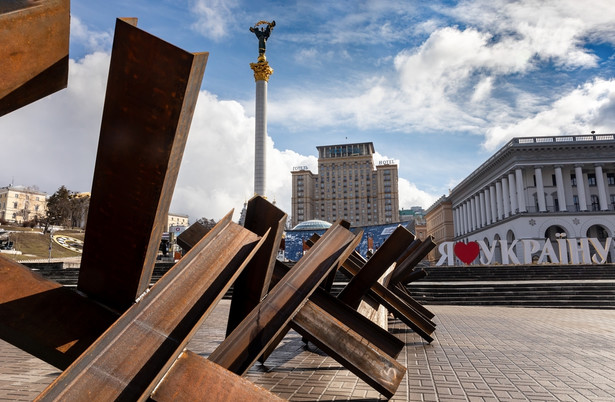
(131, 357)
(369, 363)
(45, 319)
(191, 236)
(358, 323)
(253, 283)
(376, 266)
(401, 292)
(151, 93)
(194, 378)
(405, 268)
(407, 314)
(34, 39)
(252, 336)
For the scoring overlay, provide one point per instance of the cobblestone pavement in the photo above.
(479, 353)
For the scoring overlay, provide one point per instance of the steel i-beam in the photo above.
(133, 355)
(151, 95)
(33, 50)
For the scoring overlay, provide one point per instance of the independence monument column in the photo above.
(262, 71)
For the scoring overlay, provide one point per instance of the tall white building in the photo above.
(539, 188)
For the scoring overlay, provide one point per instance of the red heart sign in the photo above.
(466, 252)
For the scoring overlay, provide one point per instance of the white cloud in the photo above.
(214, 17)
(589, 107)
(410, 195)
(91, 41)
(52, 142)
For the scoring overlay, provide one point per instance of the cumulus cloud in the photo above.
(586, 108)
(214, 17)
(90, 41)
(411, 195)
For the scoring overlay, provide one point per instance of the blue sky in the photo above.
(438, 86)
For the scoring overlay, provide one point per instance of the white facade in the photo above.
(540, 188)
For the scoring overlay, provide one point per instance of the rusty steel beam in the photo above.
(253, 283)
(376, 266)
(151, 93)
(194, 378)
(401, 292)
(405, 268)
(252, 336)
(46, 319)
(133, 355)
(398, 307)
(191, 236)
(369, 363)
(355, 321)
(33, 50)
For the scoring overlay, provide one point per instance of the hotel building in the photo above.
(348, 186)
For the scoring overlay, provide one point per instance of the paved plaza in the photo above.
(479, 353)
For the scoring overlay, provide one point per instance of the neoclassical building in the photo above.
(348, 185)
(540, 188)
(21, 203)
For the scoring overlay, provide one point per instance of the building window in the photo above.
(591, 179)
(610, 179)
(613, 202)
(595, 203)
(575, 200)
(573, 179)
(553, 180)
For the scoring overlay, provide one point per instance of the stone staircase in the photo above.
(582, 286)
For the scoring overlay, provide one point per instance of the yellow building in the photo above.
(21, 203)
(439, 224)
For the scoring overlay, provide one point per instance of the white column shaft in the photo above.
(260, 138)
(540, 190)
(498, 200)
(520, 190)
(505, 197)
(578, 174)
(601, 189)
(559, 183)
(514, 208)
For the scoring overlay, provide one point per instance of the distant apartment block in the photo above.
(348, 185)
(176, 220)
(21, 203)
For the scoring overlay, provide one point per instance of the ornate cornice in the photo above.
(262, 71)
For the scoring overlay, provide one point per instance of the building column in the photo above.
(601, 189)
(477, 208)
(473, 213)
(514, 208)
(505, 197)
(540, 190)
(520, 190)
(487, 206)
(498, 200)
(457, 222)
(468, 218)
(559, 183)
(464, 217)
(494, 209)
(578, 174)
(483, 218)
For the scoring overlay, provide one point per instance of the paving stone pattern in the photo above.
(479, 354)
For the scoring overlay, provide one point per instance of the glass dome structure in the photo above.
(314, 224)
